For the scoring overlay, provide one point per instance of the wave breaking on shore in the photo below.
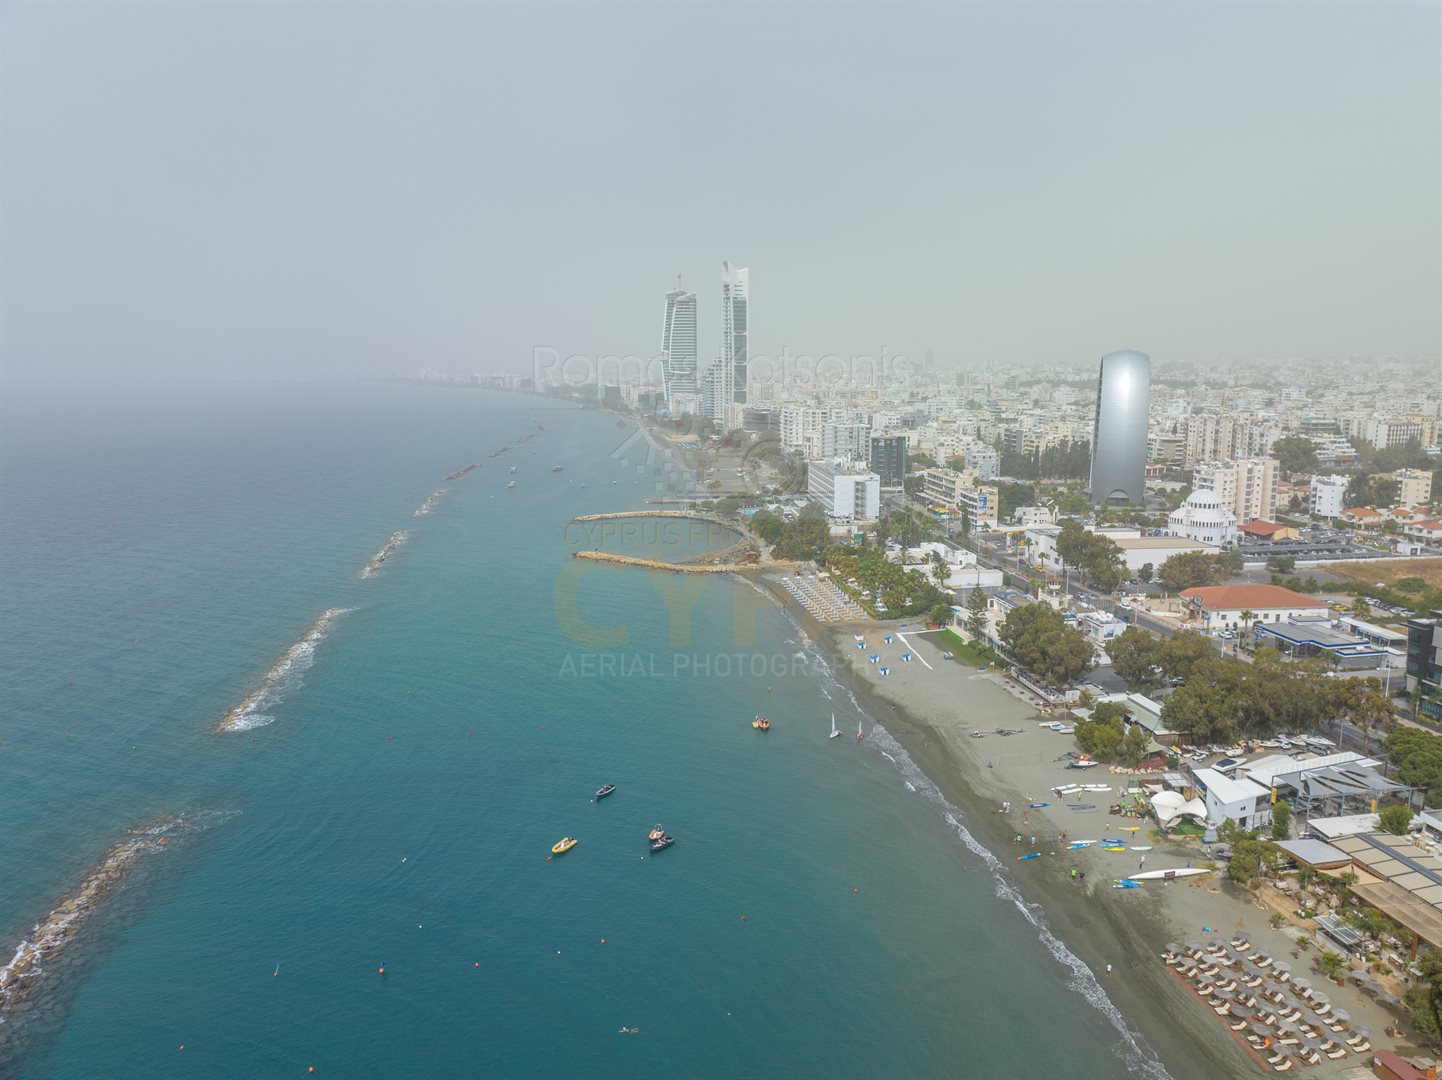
(247, 715)
(387, 550)
(1137, 1056)
(24, 974)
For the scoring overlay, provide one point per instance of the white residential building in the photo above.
(845, 489)
(1325, 496)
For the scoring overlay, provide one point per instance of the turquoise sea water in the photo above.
(818, 915)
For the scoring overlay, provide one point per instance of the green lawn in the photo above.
(962, 650)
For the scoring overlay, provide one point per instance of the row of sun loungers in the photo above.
(823, 599)
(1280, 1017)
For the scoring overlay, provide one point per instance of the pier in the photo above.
(656, 564)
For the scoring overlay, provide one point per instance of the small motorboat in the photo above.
(513, 468)
(511, 484)
(663, 843)
(566, 844)
(557, 468)
(761, 724)
(656, 833)
(605, 791)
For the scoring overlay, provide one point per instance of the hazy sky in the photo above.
(333, 188)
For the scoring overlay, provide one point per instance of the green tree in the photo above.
(1010, 496)
(976, 614)
(1424, 998)
(939, 614)
(1364, 702)
(1281, 821)
(1192, 569)
(1137, 657)
(1417, 757)
(1330, 964)
(1395, 819)
(1145, 573)
(1042, 643)
(1295, 453)
(1360, 608)
(1183, 651)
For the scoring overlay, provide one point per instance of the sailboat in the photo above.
(834, 732)
(859, 735)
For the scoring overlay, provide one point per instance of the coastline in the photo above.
(930, 712)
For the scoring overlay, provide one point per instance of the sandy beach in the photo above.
(933, 707)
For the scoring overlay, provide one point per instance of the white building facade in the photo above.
(845, 489)
(1204, 518)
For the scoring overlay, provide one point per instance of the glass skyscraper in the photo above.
(1119, 438)
(735, 287)
(678, 342)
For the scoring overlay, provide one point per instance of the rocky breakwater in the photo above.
(248, 714)
(24, 974)
(387, 550)
(430, 504)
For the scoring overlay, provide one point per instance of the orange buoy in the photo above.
(478, 963)
(743, 918)
(182, 1046)
(382, 971)
(311, 1069)
(603, 941)
(855, 890)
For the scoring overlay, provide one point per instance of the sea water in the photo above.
(822, 912)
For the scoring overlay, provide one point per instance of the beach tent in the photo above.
(1171, 806)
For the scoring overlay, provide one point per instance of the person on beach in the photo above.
(1143, 863)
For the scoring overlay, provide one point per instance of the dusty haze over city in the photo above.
(241, 189)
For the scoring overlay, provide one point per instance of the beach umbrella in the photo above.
(1358, 977)
(1321, 999)
(1388, 999)
(1373, 988)
(1342, 1016)
(1173, 947)
(1282, 969)
(1365, 1033)
(1261, 1030)
(1302, 984)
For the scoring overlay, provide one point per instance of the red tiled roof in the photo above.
(1258, 527)
(1361, 511)
(1254, 597)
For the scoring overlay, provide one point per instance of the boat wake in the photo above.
(248, 715)
(1136, 1054)
(387, 550)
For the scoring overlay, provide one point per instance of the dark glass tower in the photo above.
(1119, 439)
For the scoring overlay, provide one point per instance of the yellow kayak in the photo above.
(566, 844)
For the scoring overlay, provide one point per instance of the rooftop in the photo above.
(1253, 597)
(1267, 769)
(1228, 789)
(1314, 853)
(1146, 542)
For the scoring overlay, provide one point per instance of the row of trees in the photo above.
(1041, 642)
(903, 591)
(1067, 460)
(1224, 699)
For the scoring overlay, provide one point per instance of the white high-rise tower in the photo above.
(678, 343)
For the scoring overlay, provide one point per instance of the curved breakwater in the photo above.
(24, 973)
(247, 714)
